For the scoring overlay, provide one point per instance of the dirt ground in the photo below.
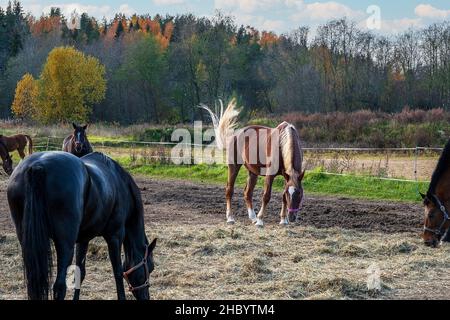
(329, 254)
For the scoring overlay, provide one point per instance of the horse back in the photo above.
(64, 182)
(110, 198)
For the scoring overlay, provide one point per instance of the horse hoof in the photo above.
(284, 222)
(230, 221)
(259, 223)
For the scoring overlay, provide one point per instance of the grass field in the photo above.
(316, 181)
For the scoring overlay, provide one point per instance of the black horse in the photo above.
(55, 195)
(77, 143)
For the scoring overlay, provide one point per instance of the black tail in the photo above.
(35, 236)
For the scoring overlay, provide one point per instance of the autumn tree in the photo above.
(70, 83)
(24, 104)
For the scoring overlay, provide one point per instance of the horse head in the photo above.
(293, 194)
(436, 220)
(7, 160)
(138, 273)
(79, 138)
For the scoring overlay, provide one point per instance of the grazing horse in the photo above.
(7, 163)
(264, 151)
(57, 196)
(18, 142)
(77, 143)
(437, 202)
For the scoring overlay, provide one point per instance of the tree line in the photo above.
(159, 68)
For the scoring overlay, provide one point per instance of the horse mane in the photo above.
(290, 147)
(441, 167)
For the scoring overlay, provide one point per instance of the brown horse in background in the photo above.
(18, 142)
(77, 143)
(264, 151)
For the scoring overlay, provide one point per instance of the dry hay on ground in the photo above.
(326, 256)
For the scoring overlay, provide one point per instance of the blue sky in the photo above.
(272, 15)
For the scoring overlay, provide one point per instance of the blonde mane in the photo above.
(290, 147)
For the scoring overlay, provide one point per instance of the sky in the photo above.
(280, 16)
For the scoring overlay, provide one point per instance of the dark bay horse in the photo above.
(57, 196)
(77, 143)
(437, 202)
(18, 142)
(7, 163)
(264, 151)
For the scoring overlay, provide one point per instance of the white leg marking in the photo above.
(259, 222)
(251, 214)
(284, 221)
(230, 218)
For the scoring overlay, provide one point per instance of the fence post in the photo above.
(48, 142)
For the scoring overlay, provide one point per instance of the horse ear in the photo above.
(74, 125)
(152, 245)
(85, 127)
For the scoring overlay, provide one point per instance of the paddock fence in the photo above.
(396, 164)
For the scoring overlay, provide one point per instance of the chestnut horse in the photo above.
(77, 143)
(264, 151)
(437, 202)
(18, 142)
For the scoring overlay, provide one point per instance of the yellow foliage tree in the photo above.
(70, 83)
(24, 103)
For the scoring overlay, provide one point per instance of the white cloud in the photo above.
(126, 9)
(168, 2)
(323, 11)
(428, 11)
(249, 6)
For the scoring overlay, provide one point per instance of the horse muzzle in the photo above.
(433, 242)
(293, 214)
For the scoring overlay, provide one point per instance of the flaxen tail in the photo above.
(30, 144)
(224, 123)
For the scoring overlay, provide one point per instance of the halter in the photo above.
(146, 284)
(298, 209)
(442, 208)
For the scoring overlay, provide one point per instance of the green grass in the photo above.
(315, 182)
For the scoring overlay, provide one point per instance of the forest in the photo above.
(157, 69)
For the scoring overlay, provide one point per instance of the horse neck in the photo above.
(443, 187)
(135, 241)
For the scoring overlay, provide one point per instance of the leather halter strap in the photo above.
(143, 263)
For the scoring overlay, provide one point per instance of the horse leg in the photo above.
(248, 195)
(233, 170)
(80, 257)
(266, 198)
(21, 152)
(283, 216)
(64, 253)
(114, 249)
